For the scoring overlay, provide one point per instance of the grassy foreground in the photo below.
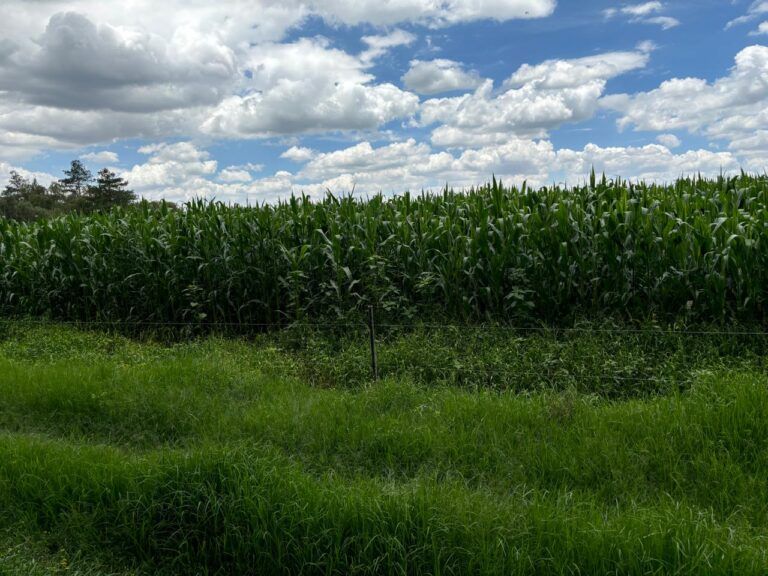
(216, 456)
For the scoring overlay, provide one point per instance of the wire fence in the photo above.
(371, 334)
(366, 324)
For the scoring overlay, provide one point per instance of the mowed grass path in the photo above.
(216, 457)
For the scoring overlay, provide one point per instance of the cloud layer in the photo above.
(644, 13)
(732, 108)
(147, 69)
(534, 100)
(366, 100)
(181, 172)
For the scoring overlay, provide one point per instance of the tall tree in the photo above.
(77, 180)
(16, 185)
(110, 190)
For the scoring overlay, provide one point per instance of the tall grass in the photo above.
(211, 457)
(694, 250)
(229, 512)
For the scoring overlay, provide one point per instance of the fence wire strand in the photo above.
(394, 368)
(388, 325)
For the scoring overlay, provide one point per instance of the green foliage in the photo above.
(595, 360)
(110, 190)
(215, 457)
(37, 557)
(693, 251)
(25, 201)
(77, 179)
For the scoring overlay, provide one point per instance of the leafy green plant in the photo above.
(691, 251)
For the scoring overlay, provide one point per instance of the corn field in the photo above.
(695, 250)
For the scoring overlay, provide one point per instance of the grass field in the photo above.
(573, 381)
(217, 456)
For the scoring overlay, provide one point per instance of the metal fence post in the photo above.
(372, 332)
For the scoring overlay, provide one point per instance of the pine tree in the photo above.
(110, 190)
(78, 177)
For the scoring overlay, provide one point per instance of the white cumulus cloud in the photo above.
(170, 165)
(79, 65)
(652, 162)
(307, 87)
(732, 108)
(298, 154)
(411, 165)
(79, 73)
(441, 75)
(533, 100)
(103, 157)
(380, 45)
(235, 174)
(668, 140)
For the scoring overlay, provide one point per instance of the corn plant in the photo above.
(693, 250)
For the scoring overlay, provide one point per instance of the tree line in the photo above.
(78, 191)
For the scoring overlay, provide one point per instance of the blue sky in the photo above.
(250, 101)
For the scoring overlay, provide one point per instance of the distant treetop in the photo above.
(25, 199)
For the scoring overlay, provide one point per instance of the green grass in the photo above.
(21, 555)
(217, 456)
(690, 251)
(483, 449)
